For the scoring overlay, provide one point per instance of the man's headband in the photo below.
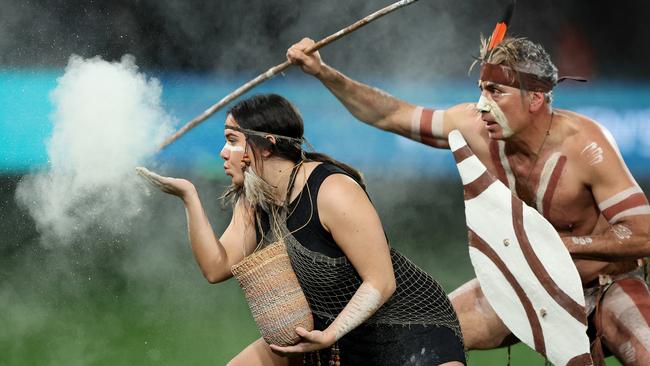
(505, 75)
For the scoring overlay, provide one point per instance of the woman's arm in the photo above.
(347, 213)
(214, 256)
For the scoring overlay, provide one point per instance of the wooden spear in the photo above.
(278, 69)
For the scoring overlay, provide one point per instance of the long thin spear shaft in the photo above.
(278, 69)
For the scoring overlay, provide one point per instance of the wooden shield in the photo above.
(524, 269)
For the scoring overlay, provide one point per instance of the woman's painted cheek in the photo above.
(233, 148)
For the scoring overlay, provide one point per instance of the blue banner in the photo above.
(25, 125)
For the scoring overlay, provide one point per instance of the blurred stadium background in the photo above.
(139, 298)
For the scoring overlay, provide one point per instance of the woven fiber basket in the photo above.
(274, 295)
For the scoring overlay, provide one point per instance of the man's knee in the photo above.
(481, 327)
(626, 311)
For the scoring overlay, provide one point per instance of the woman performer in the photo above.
(371, 305)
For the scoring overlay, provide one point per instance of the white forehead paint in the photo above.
(594, 153)
(233, 148)
(488, 105)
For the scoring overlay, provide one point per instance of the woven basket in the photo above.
(274, 295)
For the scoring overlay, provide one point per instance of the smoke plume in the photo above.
(107, 119)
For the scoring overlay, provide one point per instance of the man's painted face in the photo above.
(496, 122)
(233, 152)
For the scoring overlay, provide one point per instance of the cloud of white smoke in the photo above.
(108, 118)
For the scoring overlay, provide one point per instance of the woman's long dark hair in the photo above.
(273, 114)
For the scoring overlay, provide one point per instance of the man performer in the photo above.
(559, 162)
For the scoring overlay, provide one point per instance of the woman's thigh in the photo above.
(258, 353)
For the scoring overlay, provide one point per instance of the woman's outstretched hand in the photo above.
(311, 341)
(175, 186)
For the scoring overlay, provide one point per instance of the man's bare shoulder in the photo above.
(587, 143)
(580, 132)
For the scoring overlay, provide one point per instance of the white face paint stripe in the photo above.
(642, 210)
(436, 123)
(233, 148)
(483, 104)
(545, 178)
(619, 197)
(510, 177)
(489, 105)
(415, 123)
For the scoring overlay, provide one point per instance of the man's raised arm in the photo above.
(371, 105)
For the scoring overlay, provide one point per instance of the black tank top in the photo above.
(310, 231)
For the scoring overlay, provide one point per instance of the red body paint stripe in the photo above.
(552, 185)
(426, 119)
(535, 326)
(565, 301)
(462, 154)
(496, 161)
(638, 292)
(635, 200)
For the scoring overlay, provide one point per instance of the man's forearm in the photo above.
(621, 242)
(370, 105)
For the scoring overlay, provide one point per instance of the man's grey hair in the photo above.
(522, 55)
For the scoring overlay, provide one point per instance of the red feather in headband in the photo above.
(500, 29)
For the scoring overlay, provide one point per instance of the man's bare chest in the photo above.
(549, 183)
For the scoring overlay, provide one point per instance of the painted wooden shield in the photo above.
(524, 269)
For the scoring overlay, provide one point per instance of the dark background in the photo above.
(427, 39)
(138, 298)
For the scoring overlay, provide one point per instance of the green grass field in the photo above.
(138, 298)
(198, 325)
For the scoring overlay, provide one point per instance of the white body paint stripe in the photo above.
(545, 178)
(619, 197)
(641, 210)
(512, 183)
(594, 153)
(625, 306)
(415, 124)
(436, 123)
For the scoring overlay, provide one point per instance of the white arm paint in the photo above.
(362, 305)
